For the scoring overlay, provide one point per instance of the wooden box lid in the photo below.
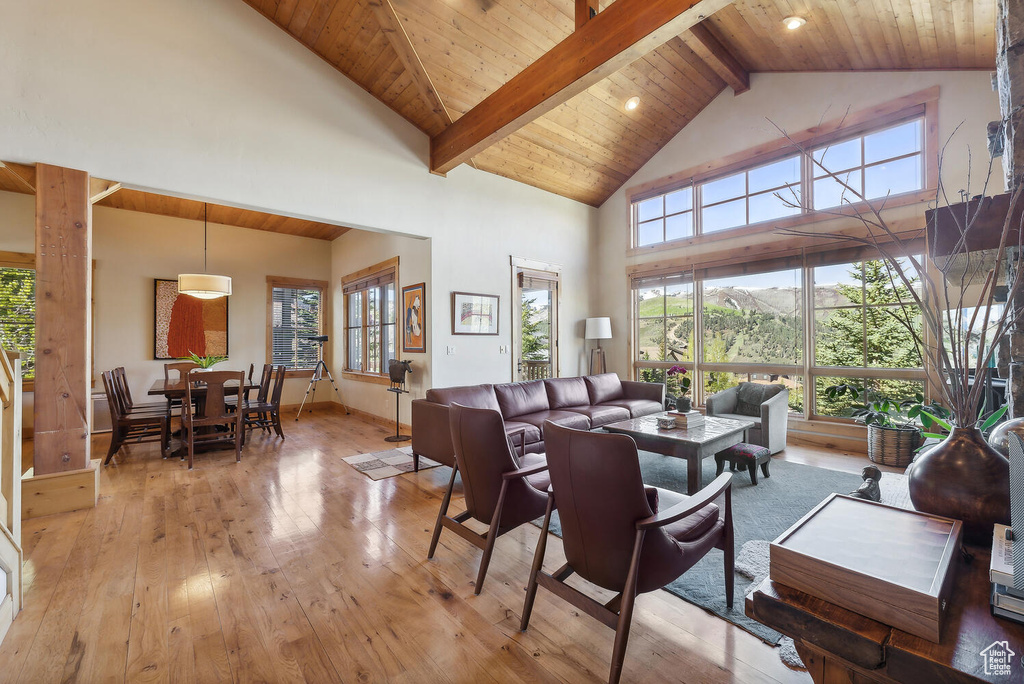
(889, 564)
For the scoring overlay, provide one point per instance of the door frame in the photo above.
(534, 265)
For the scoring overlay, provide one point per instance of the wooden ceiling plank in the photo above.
(619, 35)
(285, 11)
(676, 60)
(720, 58)
(356, 64)
(578, 145)
(333, 37)
(22, 176)
(328, 17)
(300, 17)
(402, 45)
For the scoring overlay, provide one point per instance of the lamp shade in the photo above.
(204, 285)
(598, 328)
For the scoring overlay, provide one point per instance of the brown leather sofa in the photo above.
(583, 403)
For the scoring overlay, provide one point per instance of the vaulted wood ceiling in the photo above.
(434, 60)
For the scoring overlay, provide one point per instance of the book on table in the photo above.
(687, 419)
(1007, 599)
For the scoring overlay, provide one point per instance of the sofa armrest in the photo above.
(653, 391)
(775, 421)
(431, 434)
(723, 402)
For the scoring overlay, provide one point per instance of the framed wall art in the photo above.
(414, 306)
(184, 324)
(474, 314)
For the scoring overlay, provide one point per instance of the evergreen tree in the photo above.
(535, 333)
(17, 314)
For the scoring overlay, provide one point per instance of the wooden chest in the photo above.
(888, 564)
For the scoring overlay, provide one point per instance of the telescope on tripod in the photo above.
(318, 375)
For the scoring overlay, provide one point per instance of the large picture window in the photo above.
(295, 314)
(370, 319)
(887, 159)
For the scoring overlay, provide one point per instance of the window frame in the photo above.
(282, 282)
(922, 105)
(363, 281)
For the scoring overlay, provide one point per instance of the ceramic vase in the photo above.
(963, 478)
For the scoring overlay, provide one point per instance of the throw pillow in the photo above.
(749, 398)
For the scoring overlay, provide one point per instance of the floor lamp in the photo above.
(598, 329)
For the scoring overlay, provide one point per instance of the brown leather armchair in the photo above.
(502, 490)
(614, 534)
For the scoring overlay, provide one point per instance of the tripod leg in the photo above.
(331, 378)
(312, 386)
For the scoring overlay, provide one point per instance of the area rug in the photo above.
(760, 512)
(383, 464)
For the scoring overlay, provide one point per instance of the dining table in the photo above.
(175, 389)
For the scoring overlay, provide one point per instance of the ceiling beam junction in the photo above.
(616, 37)
(717, 55)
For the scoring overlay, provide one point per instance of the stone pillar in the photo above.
(1010, 84)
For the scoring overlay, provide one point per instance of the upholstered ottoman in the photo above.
(748, 456)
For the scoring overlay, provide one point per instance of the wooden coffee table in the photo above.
(694, 444)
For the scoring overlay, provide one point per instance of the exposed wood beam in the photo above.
(100, 188)
(23, 176)
(585, 11)
(391, 25)
(720, 58)
(618, 36)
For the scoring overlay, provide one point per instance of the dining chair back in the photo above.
(618, 533)
(180, 368)
(500, 491)
(265, 378)
(213, 420)
(137, 426)
(120, 379)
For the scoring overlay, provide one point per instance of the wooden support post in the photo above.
(585, 11)
(63, 303)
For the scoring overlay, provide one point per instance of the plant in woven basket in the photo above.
(874, 408)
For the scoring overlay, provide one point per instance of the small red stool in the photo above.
(744, 455)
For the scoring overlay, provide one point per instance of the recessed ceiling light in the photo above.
(632, 103)
(793, 23)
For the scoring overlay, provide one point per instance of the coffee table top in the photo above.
(712, 428)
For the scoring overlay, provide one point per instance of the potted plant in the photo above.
(204, 362)
(683, 403)
(894, 427)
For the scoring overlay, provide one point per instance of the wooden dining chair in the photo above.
(265, 412)
(182, 369)
(126, 426)
(121, 381)
(212, 422)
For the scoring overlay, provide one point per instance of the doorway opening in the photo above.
(535, 320)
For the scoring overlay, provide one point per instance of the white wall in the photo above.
(732, 124)
(206, 98)
(132, 248)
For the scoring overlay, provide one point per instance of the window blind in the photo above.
(296, 317)
(18, 314)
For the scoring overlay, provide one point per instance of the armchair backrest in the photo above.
(483, 455)
(599, 494)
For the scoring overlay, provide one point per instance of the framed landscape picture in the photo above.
(474, 314)
(414, 306)
(185, 324)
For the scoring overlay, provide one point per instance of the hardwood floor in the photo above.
(293, 566)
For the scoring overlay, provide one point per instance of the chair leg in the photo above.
(442, 512)
(752, 469)
(764, 468)
(239, 440)
(276, 417)
(191, 448)
(492, 535)
(729, 552)
(115, 444)
(538, 563)
(626, 612)
(415, 462)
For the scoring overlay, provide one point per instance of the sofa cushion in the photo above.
(564, 418)
(637, 407)
(532, 433)
(604, 387)
(564, 392)
(519, 398)
(473, 396)
(749, 396)
(601, 415)
(695, 525)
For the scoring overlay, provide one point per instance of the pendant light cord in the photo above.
(204, 236)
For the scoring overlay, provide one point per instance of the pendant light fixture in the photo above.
(204, 285)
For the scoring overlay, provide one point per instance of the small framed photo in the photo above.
(474, 314)
(414, 306)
